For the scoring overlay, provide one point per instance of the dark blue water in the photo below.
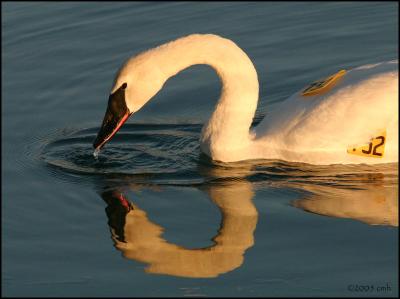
(154, 217)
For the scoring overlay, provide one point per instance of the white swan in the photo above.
(351, 119)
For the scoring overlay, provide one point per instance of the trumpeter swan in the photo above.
(349, 117)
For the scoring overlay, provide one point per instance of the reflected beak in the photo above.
(116, 115)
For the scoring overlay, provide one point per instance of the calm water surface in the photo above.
(152, 216)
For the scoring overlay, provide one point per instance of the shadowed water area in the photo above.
(151, 215)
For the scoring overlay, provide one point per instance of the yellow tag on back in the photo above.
(321, 86)
(374, 149)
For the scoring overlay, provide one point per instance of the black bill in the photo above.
(117, 113)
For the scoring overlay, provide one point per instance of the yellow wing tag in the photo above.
(321, 86)
(374, 149)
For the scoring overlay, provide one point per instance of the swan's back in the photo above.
(319, 129)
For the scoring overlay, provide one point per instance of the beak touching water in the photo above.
(116, 115)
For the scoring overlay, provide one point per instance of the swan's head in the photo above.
(135, 84)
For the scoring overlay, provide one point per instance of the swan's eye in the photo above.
(124, 86)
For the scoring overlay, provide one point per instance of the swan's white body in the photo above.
(315, 129)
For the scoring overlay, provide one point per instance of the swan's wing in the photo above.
(364, 102)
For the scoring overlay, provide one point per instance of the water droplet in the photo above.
(96, 153)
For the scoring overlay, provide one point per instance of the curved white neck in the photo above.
(227, 131)
(225, 136)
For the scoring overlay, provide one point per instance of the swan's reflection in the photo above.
(367, 196)
(376, 204)
(341, 191)
(140, 239)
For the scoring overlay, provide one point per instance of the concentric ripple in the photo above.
(146, 150)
